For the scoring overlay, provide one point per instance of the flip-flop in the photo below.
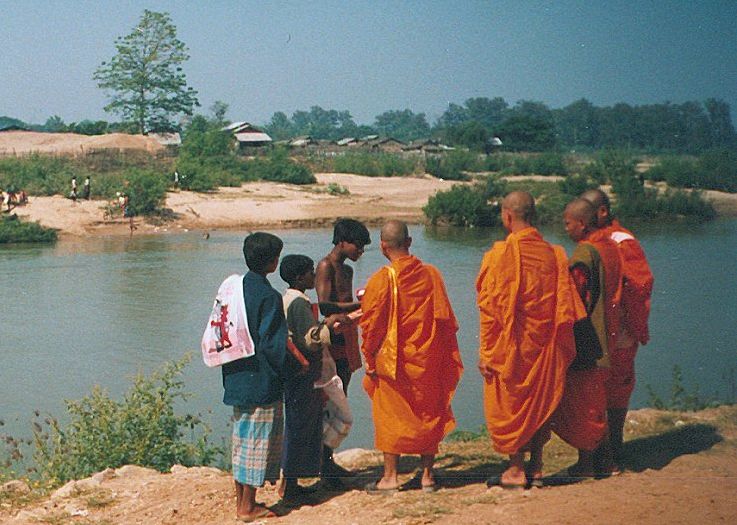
(265, 513)
(496, 481)
(373, 489)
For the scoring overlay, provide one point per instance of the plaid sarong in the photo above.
(257, 443)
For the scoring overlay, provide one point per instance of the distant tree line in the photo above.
(690, 127)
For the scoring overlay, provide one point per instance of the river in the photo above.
(96, 311)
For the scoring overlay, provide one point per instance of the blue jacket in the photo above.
(259, 379)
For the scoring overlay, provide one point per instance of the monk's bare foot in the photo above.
(534, 473)
(514, 476)
(387, 484)
(258, 512)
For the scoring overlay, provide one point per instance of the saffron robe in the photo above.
(528, 305)
(637, 286)
(409, 340)
(581, 417)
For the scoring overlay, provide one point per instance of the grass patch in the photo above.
(99, 499)
(15, 230)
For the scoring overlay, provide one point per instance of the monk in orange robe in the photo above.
(637, 288)
(581, 419)
(413, 364)
(528, 305)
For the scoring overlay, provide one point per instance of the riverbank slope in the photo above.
(680, 468)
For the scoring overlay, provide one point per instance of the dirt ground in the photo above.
(27, 142)
(268, 204)
(679, 468)
(254, 204)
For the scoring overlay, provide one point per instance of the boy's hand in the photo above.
(337, 319)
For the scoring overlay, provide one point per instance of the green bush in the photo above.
(278, 167)
(374, 164)
(452, 165)
(12, 230)
(467, 205)
(575, 185)
(718, 170)
(141, 429)
(677, 172)
(146, 191)
(40, 175)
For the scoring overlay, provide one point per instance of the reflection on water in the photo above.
(95, 311)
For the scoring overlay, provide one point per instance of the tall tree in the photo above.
(148, 87)
(402, 124)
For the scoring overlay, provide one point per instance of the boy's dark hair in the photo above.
(292, 266)
(260, 249)
(352, 231)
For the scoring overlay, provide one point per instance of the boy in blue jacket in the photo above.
(254, 386)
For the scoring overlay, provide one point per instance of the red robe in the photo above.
(528, 305)
(581, 420)
(409, 339)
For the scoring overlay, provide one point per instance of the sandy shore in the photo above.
(268, 204)
(255, 204)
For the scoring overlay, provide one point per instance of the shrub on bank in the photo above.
(13, 229)
(466, 205)
(146, 191)
(278, 167)
(141, 429)
(40, 175)
(714, 170)
(373, 164)
(452, 165)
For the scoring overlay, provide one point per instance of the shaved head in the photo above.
(520, 204)
(394, 234)
(596, 197)
(582, 210)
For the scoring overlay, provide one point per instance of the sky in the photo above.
(368, 57)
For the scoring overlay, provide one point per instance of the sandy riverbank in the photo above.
(255, 204)
(268, 204)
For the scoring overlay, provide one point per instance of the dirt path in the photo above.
(680, 468)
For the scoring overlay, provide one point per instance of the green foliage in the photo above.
(403, 125)
(527, 133)
(467, 205)
(148, 87)
(39, 175)
(680, 398)
(452, 165)
(146, 191)
(575, 185)
(374, 164)
(206, 158)
(278, 167)
(141, 429)
(336, 189)
(13, 230)
(714, 170)
(471, 135)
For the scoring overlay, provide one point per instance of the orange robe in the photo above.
(637, 287)
(528, 305)
(409, 339)
(581, 420)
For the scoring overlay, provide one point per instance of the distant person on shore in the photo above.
(254, 386)
(413, 364)
(528, 305)
(73, 193)
(86, 189)
(581, 420)
(303, 400)
(334, 286)
(637, 287)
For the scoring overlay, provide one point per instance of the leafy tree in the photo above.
(54, 124)
(527, 133)
(471, 134)
(453, 116)
(279, 127)
(490, 113)
(218, 110)
(145, 77)
(402, 125)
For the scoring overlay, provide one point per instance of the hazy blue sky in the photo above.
(372, 56)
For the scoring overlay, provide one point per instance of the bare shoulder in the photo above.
(325, 266)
